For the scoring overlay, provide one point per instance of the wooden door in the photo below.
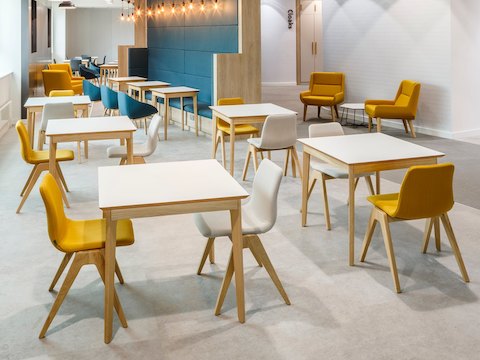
(309, 49)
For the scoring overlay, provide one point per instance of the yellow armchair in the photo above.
(59, 80)
(404, 107)
(326, 89)
(66, 67)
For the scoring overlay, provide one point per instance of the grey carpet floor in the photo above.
(337, 311)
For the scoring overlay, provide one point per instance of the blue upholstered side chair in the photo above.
(135, 110)
(94, 68)
(109, 100)
(75, 65)
(88, 73)
(93, 92)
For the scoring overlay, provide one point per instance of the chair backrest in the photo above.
(109, 98)
(426, 191)
(261, 206)
(228, 101)
(407, 95)
(94, 68)
(62, 66)
(75, 64)
(328, 129)
(56, 219)
(56, 80)
(279, 132)
(152, 134)
(87, 73)
(60, 93)
(56, 111)
(92, 91)
(327, 83)
(85, 57)
(134, 109)
(25, 145)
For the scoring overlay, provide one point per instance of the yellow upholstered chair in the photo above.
(325, 89)
(404, 107)
(85, 239)
(426, 193)
(223, 128)
(59, 93)
(59, 80)
(66, 67)
(39, 160)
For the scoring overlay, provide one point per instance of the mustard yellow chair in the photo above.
(404, 107)
(39, 160)
(76, 80)
(426, 193)
(85, 239)
(326, 89)
(59, 80)
(59, 93)
(223, 128)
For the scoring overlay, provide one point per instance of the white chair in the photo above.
(57, 111)
(259, 214)
(322, 171)
(140, 151)
(279, 133)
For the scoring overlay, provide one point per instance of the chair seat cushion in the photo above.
(175, 103)
(139, 150)
(256, 142)
(388, 112)
(39, 157)
(216, 224)
(318, 100)
(91, 234)
(332, 170)
(388, 203)
(202, 108)
(242, 129)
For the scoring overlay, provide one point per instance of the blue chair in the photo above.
(89, 74)
(93, 92)
(109, 99)
(75, 65)
(135, 110)
(94, 68)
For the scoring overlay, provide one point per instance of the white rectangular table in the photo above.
(359, 154)
(143, 86)
(36, 104)
(242, 114)
(96, 128)
(173, 92)
(168, 189)
(120, 81)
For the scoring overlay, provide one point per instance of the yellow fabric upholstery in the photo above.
(37, 157)
(69, 235)
(59, 80)
(426, 192)
(403, 107)
(66, 67)
(243, 129)
(55, 93)
(325, 89)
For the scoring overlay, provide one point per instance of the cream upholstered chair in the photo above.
(323, 172)
(259, 214)
(140, 151)
(279, 133)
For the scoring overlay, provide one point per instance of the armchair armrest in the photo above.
(379, 102)
(339, 97)
(78, 78)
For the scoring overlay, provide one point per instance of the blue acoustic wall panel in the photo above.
(181, 45)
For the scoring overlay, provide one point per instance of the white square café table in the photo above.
(36, 104)
(168, 189)
(143, 86)
(360, 154)
(242, 114)
(94, 128)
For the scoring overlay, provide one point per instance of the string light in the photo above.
(139, 12)
(130, 12)
(158, 9)
(149, 13)
(191, 5)
(163, 7)
(202, 6)
(173, 7)
(183, 7)
(215, 5)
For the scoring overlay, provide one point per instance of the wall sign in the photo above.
(290, 18)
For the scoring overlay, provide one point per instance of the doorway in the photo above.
(309, 39)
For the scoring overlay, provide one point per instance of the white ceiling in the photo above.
(92, 3)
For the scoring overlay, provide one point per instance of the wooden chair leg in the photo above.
(285, 164)
(211, 254)
(206, 252)
(257, 247)
(261, 155)
(37, 170)
(28, 180)
(77, 264)
(436, 227)
(453, 243)
(225, 284)
(254, 253)
(332, 109)
(255, 158)
(304, 112)
(62, 178)
(368, 180)
(119, 273)
(85, 149)
(123, 161)
(318, 111)
(294, 169)
(222, 142)
(354, 188)
(405, 126)
(379, 125)
(59, 272)
(215, 145)
(296, 161)
(369, 124)
(336, 111)
(412, 130)
(387, 238)
(138, 160)
(245, 166)
(372, 222)
(79, 151)
(313, 181)
(426, 234)
(269, 155)
(326, 209)
(41, 140)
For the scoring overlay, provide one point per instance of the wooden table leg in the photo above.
(85, 115)
(183, 113)
(351, 216)
(232, 148)
(129, 141)
(52, 168)
(165, 117)
(377, 182)
(214, 136)
(31, 125)
(237, 240)
(109, 274)
(305, 180)
(195, 113)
